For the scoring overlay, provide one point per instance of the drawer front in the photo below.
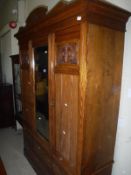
(48, 160)
(28, 141)
(39, 166)
(42, 155)
(41, 161)
(57, 169)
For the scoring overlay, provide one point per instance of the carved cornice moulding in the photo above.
(93, 11)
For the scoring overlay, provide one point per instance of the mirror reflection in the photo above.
(41, 87)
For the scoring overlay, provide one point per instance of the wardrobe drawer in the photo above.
(42, 154)
(39, 166)
(57, 169)
(28, 141)
(48, 161)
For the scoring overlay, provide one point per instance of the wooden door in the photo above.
(66, 116)
(66, 103)
(27, 86)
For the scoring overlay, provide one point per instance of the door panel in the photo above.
(27, 85)
(66, 116)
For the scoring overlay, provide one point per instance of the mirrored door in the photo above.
(41, 90)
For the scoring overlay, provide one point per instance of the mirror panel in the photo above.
(41, 90)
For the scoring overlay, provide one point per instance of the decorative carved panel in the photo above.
(36, 15)
(67, 53)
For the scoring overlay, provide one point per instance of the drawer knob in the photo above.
(79, 18)
(66, 105)
(64, 133)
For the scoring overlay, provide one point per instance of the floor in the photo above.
(11, 153)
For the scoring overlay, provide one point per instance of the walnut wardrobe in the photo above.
(71, 64)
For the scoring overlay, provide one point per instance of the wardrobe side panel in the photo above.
(104, 64)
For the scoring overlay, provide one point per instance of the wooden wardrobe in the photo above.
(71, 65)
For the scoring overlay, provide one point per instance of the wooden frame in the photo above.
(24, 60)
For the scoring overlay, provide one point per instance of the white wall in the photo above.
(6, 12)
(8, 47)
(32, 4)
(6, 60)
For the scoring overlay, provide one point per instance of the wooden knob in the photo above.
(66, 105)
